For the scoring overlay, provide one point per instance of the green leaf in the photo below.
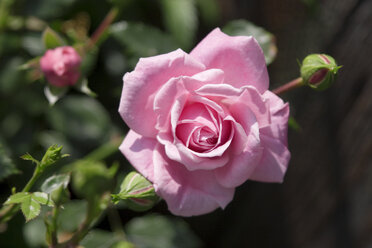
(30, 203)
(34, 233)
(156, 231)
(99, 239)
(30, 208)
(42, 198)
(81, 118)
(180, 17)
(7, 167)
(28, 157)
(72, 215)
(17, 198)
(136, 38)
(51, 39)
(55, 182)
(53, 94)
(263, 37)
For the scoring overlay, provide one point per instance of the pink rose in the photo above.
(61, 66)
(205, 122)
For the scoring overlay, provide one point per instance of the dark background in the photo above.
(326, 198)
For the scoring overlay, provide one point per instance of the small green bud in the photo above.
(137, 193)
(319, 71)
(52, 155)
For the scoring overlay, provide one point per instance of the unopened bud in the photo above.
(61, 66)
(319, 71)
(137, 193)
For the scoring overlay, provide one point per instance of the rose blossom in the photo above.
(205, 122)
(61, 66)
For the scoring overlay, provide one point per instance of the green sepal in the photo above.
(51, 39)
(31, 64)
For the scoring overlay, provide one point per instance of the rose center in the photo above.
(207, 137)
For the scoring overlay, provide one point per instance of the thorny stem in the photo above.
(289, 86)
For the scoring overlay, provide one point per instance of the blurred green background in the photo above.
(326, 199)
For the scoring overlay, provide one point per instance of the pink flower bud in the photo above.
(61, 66)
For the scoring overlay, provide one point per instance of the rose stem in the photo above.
(289, 86)
(111, 15)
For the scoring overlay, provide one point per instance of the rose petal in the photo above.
(139, 152)
(274, 161)
(279, 112)
(276, 156)
(141, 85)
(174, 89)
(247, 151)
(252, 100)
(240, 57)
(186, 192)
(211, 76)
(176, 149)
(198, 113)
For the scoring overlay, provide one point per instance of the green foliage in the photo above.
(156, 231)
(55, 182)
(99, 239)
(123, 244)
(135, 38)
(209, 11)
(51, 39)
(263, 37)
(92, 178)
(34, 233)
(72, 215)
(56, 186)
(81, 119)
(51, 156)
(7, 167)
(180, 17)
(30, 203)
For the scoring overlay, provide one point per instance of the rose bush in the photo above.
(203, 123)
(61, 66)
